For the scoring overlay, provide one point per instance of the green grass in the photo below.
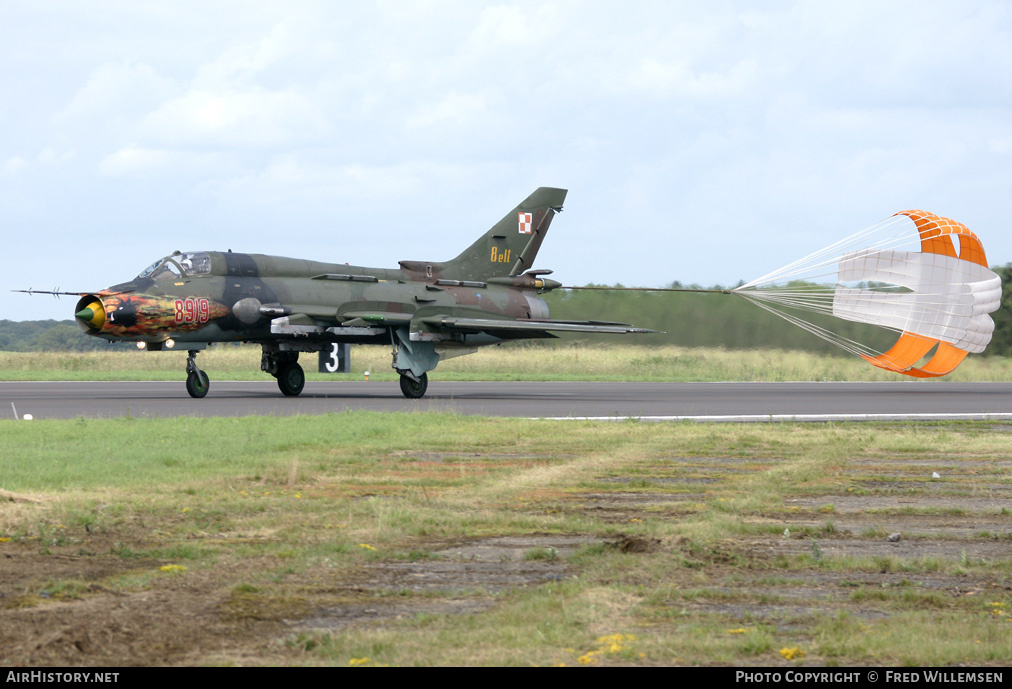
(280, 518)
(627, 362)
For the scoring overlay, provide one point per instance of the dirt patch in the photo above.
(174, 621)
(75, 610)
(636, 544)
(377, 612)
(488, 565)
(910, 464)
(907, 525)
(707, 462)
(905, 549)
(443, 456)
(479, 568)
(846, 504)
(792, 601)
(49, 570)
(662, 480)
(7, 496)
(624, 500)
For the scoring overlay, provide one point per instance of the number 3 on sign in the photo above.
(332, 363)
(336, 358)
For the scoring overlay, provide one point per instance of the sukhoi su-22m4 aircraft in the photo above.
(426, 311)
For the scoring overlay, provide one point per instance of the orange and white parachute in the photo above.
(921, 275)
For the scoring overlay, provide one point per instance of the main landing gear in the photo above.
(197, 382)
(414, 388)
(412, 360)
(285, 367)
(291, 379)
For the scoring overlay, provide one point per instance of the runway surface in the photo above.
(645, 401)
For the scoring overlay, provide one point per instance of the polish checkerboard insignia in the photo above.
(525, 221)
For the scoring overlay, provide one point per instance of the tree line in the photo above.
(49, 336)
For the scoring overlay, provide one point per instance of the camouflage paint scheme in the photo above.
(427, 311)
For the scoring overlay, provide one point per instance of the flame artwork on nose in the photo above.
(133, 315)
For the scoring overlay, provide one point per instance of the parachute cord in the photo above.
(831, 255)
(758, 297)
(844, 343)
(655, 289)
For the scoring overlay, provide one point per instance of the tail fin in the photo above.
(509, 247)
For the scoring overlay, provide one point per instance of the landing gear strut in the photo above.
(197, 382)
(285, 367)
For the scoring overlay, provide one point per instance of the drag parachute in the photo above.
(921, 275)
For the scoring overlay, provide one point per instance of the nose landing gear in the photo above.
(197, 382)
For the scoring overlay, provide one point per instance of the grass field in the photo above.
(425, 539)
(508, 362)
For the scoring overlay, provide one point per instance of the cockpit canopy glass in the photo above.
(195, 263)
(178, 265)
(162, 269)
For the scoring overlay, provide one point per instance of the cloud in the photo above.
(664, 79)
(252, 119)
(136, 161)
(288, 180)
(14, 167)
(456, 108)
(116, 90)
(511, 29)
(243, 63)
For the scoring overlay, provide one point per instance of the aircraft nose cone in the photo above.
(92, 315)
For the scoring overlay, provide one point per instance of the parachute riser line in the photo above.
(655, 289)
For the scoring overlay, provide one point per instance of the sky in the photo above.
(701, 142)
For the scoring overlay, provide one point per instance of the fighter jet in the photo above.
(426, 311)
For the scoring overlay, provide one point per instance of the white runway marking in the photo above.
(772, 418)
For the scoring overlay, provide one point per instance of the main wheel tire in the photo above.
(194, 385)
(414, 389)
(291, 379)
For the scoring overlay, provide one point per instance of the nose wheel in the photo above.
(197, 382)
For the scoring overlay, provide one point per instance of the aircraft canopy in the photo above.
(177, 265)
